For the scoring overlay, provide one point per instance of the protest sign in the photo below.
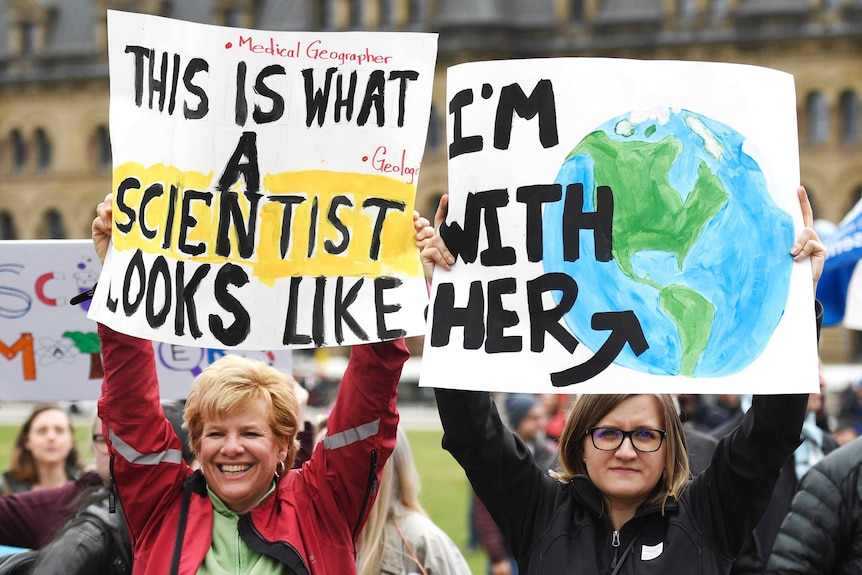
(264, 184)
(621, 226)
(51, 350)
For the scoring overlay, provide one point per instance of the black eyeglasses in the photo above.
(610, 439)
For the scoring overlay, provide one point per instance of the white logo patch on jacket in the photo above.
(650, 552)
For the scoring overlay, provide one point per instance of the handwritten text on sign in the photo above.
(264, 184)
(603, 236)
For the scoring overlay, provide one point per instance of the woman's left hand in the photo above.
(424, 230)
(808, 244)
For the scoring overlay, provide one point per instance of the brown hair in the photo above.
(23, 466)
(232, 381)
(590, 409)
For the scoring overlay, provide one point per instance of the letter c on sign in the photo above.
(40, 289)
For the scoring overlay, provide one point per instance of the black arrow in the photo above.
(625, 328)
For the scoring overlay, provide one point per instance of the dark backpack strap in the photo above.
(181, 526)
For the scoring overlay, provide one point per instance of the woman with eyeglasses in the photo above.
(624, 501)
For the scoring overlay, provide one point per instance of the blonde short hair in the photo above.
(233, 381)
(590, 409)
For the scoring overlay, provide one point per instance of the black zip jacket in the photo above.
(556, 528)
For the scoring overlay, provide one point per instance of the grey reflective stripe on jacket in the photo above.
(132, 455)
(352, 435)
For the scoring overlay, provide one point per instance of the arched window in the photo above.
(28, 39)
(576, 10)
(433, 202)
(19, 150)
(387, 15)
(817, 114)
(849, 116)
(55, 229)
(43, 150)
(234, 17)
(812, 198)
(7, 227)
(103, 147)
(325, 13)
(415, 12)
(357, 14)
(854, 198)
(685, 9)
(435, 130)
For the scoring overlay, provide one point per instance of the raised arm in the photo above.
(498, 464)
(360, 433)
(144, 446)
(738, 484)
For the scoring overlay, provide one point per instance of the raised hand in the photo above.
(808, 244)
(435, 253)
(102, 226)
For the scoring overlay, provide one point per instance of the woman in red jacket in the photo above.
(245, 510)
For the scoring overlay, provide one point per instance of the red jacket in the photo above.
(311, 521)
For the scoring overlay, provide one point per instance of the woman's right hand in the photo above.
(102, 226)
(435, 253)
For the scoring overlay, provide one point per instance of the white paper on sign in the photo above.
(621, 226)
(51, 349)
(264, 184)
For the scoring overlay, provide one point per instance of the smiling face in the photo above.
(626, 476)
(50, 437)
(239, 453)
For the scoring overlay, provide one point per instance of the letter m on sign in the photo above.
(24, 346)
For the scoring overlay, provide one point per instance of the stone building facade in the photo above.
(55, 160)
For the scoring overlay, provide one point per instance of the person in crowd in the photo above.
(80, 528)
(245, 505)
(623, 501)
(715, 411)
(501, 561)
(399, 537)
(527, 419)
(822, 534)
(849, 418)
(816, 443)
(556, 410)
(44, 455)
(701, 447)
(30, 519)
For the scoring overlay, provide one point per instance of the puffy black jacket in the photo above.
(823, 531)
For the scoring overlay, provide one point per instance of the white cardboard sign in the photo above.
(264, 184)
(622, 226)
(50, 349)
